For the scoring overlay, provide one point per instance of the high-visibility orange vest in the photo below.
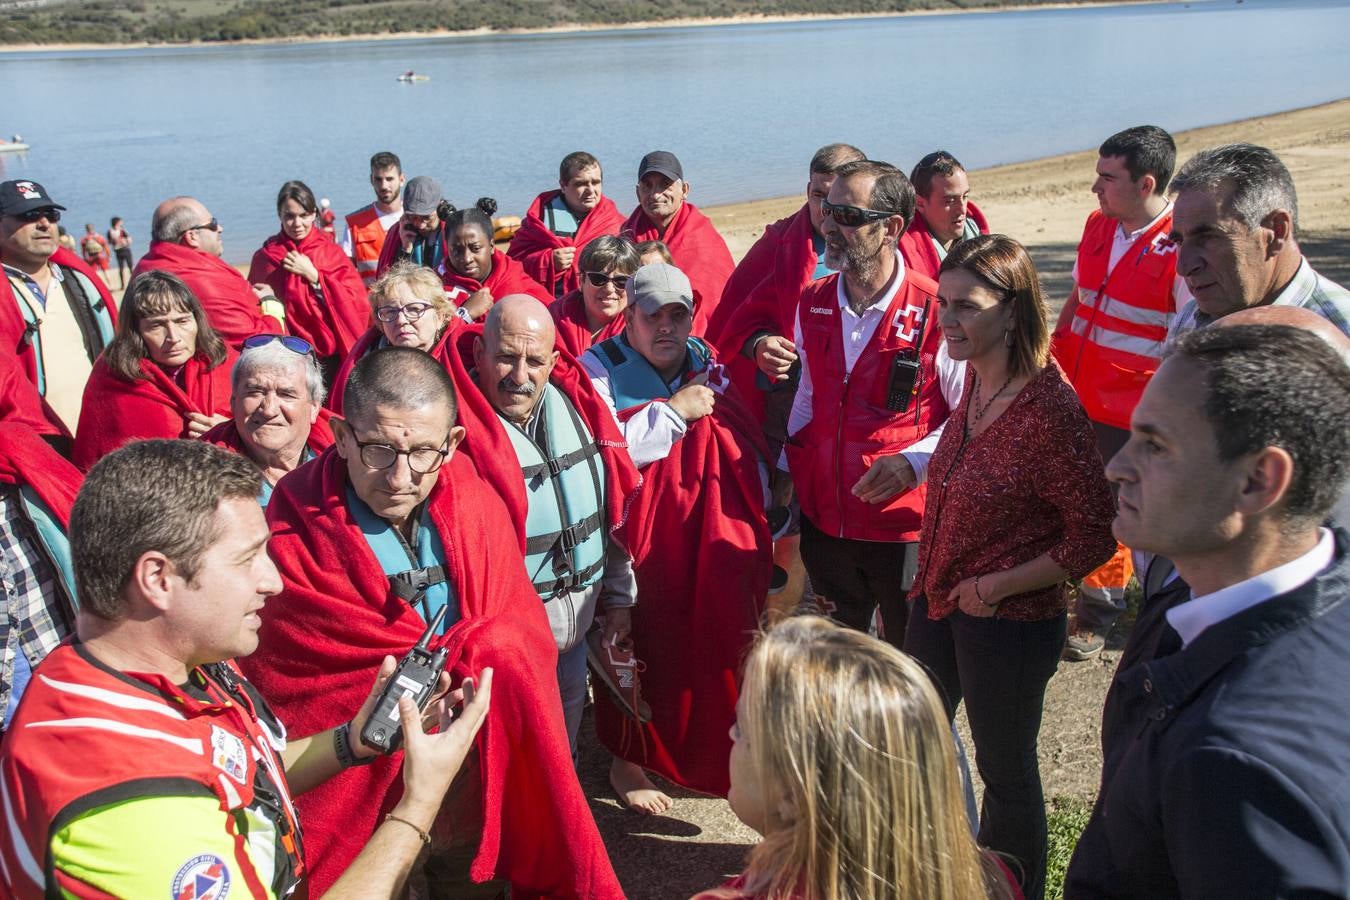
(1116, 339)
(367, 240)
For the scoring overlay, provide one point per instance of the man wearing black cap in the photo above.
(418, 235)
(55, 313)
(665, 214)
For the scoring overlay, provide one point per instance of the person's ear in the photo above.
(342, 435)
(151, 580)
(456, 435)
(1266, 482)
(1281, 225)
(1148, 185)
(684, 190)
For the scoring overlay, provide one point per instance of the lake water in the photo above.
(743, 106)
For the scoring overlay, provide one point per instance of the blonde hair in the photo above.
(858, 770)
(423, 283)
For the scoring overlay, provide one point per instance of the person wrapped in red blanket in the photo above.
(559, 223)
(664, 213)
(277, 418)
(594, 311)
(324, 295)
(187, 243)
(944, 213)
(699, 536)
(372, 539)
(166, 373)
(476, 274)
(20, 402)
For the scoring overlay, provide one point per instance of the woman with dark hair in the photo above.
(594, 311)
(324, 296)
(165, 374)
(1017, 505)
(476, 273)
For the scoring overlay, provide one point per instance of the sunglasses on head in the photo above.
(34, 215)
(213, 225)
(853, 216)
(289, 341)
(600, 279)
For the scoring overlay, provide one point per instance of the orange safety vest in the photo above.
(367, 241)
(1116, 339)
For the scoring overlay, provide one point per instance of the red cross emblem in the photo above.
(907, 322)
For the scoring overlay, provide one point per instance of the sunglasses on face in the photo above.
(853, 216)
(213, 225)
(34, 215)
(413, 312)
(600, 279)
(289, 341)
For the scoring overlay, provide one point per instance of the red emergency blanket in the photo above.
(25, 458)
(332, 325)
(20, 401)
(533, 244)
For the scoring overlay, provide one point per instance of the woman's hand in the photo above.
(199, 424)
(298, 263)
(478, 304)
(976, 597)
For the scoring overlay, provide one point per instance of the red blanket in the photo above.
(698, 251)
(230, 304)
(703, 550)
(114, 411)
(533, 244)
(916, 244)
(13, 329)
(25, 458)
(770, 305)
(507, 277)
(20, 401)
(323, 639)
(332, 326)
(574, 332)
(754, 267)
(226, 435)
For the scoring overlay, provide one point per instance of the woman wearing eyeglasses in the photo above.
(476, 274)
(1017, 504)
(410, 309)
(324, 296)
(165, 374)
(594, 312)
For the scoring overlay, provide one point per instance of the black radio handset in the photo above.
(416, 677)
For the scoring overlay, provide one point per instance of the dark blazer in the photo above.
(1227, 764)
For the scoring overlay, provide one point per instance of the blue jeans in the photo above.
(572, 686)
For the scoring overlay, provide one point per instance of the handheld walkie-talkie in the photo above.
(415, 677)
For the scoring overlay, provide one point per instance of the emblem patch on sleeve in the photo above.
(228, 754)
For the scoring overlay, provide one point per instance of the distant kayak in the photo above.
(413, 76)
(504, 228)
(15, 145)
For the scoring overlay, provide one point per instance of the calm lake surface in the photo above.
(743, 106)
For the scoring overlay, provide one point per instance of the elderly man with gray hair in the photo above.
(1235, 222)
(277, 418)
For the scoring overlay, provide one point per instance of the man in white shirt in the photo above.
(1226, 732)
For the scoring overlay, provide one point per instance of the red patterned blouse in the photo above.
(1030, 483)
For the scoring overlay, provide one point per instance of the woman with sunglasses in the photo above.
(476, 274)
(324, 295)
(1017, 504)
(411, 309)
(594, 312)
(843, 761)
(165, 374)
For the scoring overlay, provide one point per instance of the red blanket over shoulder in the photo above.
(230, 304)
(698, 251)
(322, 641)
(13, 329)
(533, 244)
(770, 305)
(916, 245)
(703, 550)
(226, 435)
(25, 458)
(20, 401)
(754, 267)
(114, 411)
(574, 332)
(333, 326)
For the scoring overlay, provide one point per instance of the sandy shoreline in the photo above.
(699, 22)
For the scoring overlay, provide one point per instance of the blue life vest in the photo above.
(633, 380)
(416, 573)
(55, 545)
(565, 525)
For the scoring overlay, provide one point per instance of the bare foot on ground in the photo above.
(636, 790)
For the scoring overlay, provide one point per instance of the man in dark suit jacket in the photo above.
(1226, 733)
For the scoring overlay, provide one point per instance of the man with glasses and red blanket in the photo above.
(373, 539)
(185, 240)
(876, 387)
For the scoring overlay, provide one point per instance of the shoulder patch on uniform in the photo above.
(228, 754)
(204, 877)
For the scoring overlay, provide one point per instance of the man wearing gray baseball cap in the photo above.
(701, 514)
(418, 235)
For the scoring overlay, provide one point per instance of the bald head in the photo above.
(515, 356)
(183, 220)
(1294, 317)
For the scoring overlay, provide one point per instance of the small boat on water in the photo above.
(13, 145)
(410, 76)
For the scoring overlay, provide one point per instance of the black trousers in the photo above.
(851, 578)
(1000, 668)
